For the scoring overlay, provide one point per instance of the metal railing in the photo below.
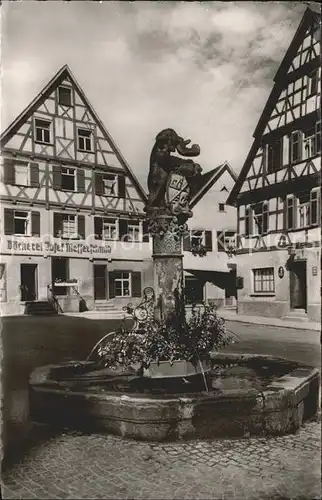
(53, 299)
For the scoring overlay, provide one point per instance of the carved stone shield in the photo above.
(177, 194)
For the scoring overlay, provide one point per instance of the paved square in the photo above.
(75, 465)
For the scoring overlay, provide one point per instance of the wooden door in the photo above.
(298, 287)
(100, 283)
(28, 285)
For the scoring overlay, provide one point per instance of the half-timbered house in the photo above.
(208, 249)
(72, 219)
(277, 194)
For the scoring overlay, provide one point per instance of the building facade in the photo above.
(277, 194)
(72, 219)
(209, 260)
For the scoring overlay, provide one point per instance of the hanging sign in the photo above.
(281, 272)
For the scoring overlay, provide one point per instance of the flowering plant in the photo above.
(199, 250)
(192, 340)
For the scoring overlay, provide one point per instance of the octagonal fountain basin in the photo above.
(241, 395)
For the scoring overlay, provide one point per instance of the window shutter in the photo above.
(265, 218)
(208, 240)
(9, 171)
(286, 153)
(8, 221)
(146, 237)
(136, 284)
(285, 209)
(57, 224)
(80, 180)
(123, 229)
(186, 242)
(111, 284)
(121, 186)
(99, 185)
(248, 221)
(81, 226)
(56, 177)
(221, 241)
(34, 174)
(98, 227)
(294, 212)
(35, 223)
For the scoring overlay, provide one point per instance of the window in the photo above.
(22, 174)
(296, 146)
(274, 156)
(312, 140)
(109, 229)
(260, 212)
(221, 207)
(226, 240)
(110, 185)
(69, 229)
(65, 96)
(290, 212)
(248, 221)
(122, 284)
(312, 83)
(21, 223)
(264, 280)
(197, 238)
(84, 139)
(304, 210)
(134, 230)
(42, 131)
(68, 179)
(315, 206)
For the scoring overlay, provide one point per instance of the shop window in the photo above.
(65, 96)
(68, 179)
(84, 138)
(264, 280)
(42, 131)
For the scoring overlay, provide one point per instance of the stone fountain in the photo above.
(234, 395)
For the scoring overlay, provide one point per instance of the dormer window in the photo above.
(84, 138)
(42, 129)
(65, 96)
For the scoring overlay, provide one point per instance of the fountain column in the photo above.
(167, 268)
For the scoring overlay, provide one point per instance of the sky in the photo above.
(205, 69)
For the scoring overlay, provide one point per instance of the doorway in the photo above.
(298, 291)
(28, 282)
(100, 282)
(193, 290)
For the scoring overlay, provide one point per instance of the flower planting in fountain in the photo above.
(187, 339)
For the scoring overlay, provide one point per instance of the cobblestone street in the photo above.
(74, 465)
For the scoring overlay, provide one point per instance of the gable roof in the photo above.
(63, 73)
(207, 180)
(308, 18)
